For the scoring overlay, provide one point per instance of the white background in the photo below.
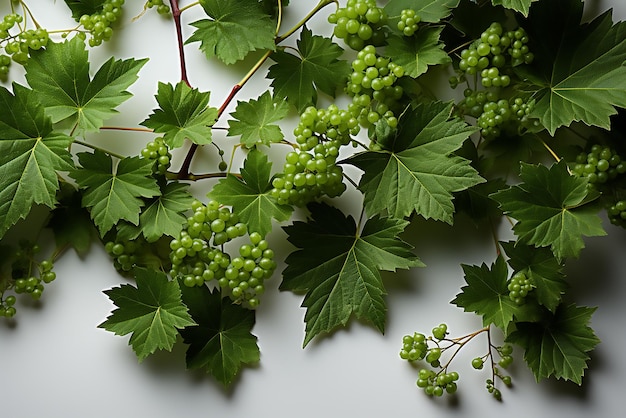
(56, 363)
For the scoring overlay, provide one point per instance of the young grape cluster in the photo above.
(493, 51)
(373, 88)
(600, 165)
(158, 151)
(99, 24)
(519, 286)
(123, 253)
(28, 276)
(196, 258)
(359, 23)
(617, 213)
(161, 8)
(17, 46)
(313, 171)
(408, 23)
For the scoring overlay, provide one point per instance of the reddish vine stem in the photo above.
(179, 36)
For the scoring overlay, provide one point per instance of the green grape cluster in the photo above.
(161, 8)
(617, 213)
(493, 50)
(519, 286)
(600, 165)
(196, 258)
(408, 23)
(99, 24)
(359, 23)
(436, 384)
(28, 276)
(313, 171)
(373, 88)
(158, 151)
(123, 253)
(18, 46)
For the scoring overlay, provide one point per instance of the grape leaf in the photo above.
(249, 195)
(338, 267)
(559, 345)
(71, 223)
(254, 120)
(431, 11)
(416, 53)
(82, 7)
(114, 195)
(60, 75)
(316, 66)
(153, 312)
(521, 6)
(236, 28)
(31, 154)
(578, 72)
(487, 294)
(221, 342)
(184, 113)
(551, 210)
(542, 267)
(418, 162)
(164, 214)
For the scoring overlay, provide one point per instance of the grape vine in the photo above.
(533, 135)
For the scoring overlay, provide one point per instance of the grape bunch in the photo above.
(374, 89)
(161, 8)
(158, 151)
(196, 258)
(519, 286)
(313, 171)
(408, 23)
(489, 55)
(99, 24)
(124, 254)
(359, 23)
(17, 46)
(28, 276)
(617, 213)
(600, 165)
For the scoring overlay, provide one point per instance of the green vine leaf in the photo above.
(417, 52)
(431, 11)
(487, 294)
(152, 312)
(236, 28)
(339, 267)
(60, 76)
(551, 210)
(31, 155)
(317, 66)
(521, 6)
(184, 113)
(71, 223)
(250, 195)
(559, 345)
(543, 268)
(113, 195)
(254, 120)
(221, 342)
(82, 7)
(418, 162)
(577, 74)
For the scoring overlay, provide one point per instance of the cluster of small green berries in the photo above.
(415, 347)
(408, 23)
(99, 25)
(359, 23)
(196, 259)
(505, 361)
(373, 88)
(124, 254)
(29, 276)
(600, 165)
(436, 384)
(18, 46)
(519, 286)
(158, 151)
(7, 308)
(617, 213)
(313, 171)
(161, 8)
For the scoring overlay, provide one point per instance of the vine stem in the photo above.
(320, 6)
(93, 147)
(124, 128)
(179, 36)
